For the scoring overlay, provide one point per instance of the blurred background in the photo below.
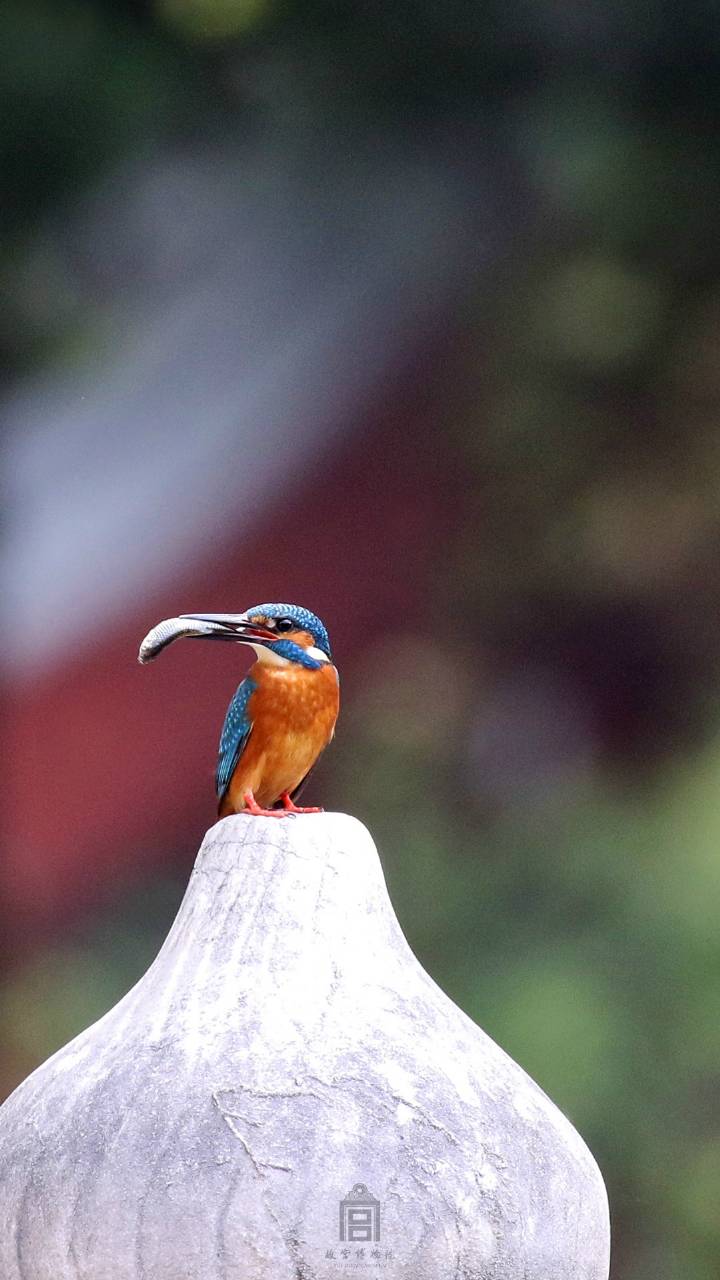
(410, 313)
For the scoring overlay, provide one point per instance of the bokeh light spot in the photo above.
(213, 19)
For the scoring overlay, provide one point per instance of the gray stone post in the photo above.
(287, 1095)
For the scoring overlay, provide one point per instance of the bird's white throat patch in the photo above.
(317, 654)
(273, 659)
(267, 655)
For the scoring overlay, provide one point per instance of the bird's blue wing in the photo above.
(235, 733)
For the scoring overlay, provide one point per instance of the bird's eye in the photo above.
(284, 624)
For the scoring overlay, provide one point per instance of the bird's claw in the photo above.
(252, 806)
(289, 807)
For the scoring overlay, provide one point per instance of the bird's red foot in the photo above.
(289, 807)
(252, 806)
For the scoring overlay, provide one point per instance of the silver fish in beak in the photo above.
(212, 626)
(172, 629)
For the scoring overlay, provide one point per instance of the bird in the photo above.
(282, 715)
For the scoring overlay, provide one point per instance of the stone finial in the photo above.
(287, 1095)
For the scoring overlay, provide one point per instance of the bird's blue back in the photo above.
(235, 733)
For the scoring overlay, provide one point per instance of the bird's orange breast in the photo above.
(293, 712)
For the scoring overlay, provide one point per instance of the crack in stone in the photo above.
(221, 1225)
(342, 1082)
(259, 1165)
(292, 1244)
(268, 1094)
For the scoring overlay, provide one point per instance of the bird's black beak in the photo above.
(231, 626)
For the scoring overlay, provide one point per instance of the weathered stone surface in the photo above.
(285, 1046)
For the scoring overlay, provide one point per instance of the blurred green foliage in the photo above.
(547, 803)
(577, 927)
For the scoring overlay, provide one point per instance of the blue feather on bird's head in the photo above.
(296, 632)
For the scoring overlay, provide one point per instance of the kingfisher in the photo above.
(283, 713)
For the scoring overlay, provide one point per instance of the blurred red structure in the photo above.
(111, 765)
